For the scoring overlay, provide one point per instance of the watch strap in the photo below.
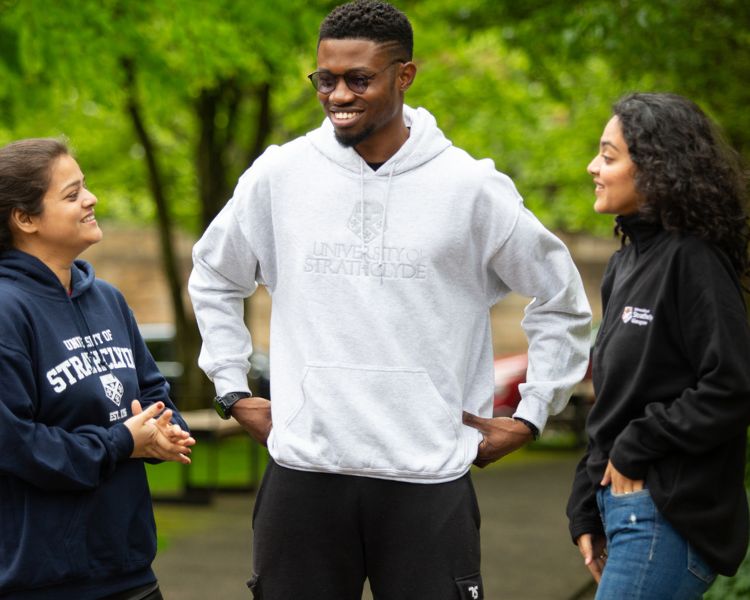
(224, 403)
(533, 428)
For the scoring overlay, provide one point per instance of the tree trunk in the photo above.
(193, 383)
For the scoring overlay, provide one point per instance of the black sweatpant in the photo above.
(317, 536)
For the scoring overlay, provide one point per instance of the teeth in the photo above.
(89, 219)
(345, 115)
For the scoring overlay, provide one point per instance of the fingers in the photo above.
(163, 422)
(474, 421)
(150, 412)
(620, 483)
(596, 568)
(594, 555)
(135, 407)
(165, 449)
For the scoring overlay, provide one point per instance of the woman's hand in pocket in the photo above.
(620, 483)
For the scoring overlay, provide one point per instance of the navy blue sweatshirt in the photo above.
(75, 511)
(671, 372)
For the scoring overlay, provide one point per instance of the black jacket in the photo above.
(672, 382)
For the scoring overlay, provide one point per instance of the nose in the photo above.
(593, 167)
(88, 198)
(341, 94)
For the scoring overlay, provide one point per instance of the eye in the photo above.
(326, 80)
(358, 83)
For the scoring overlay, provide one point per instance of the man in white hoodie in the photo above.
(383, 247)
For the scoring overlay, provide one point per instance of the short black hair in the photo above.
(369, 20)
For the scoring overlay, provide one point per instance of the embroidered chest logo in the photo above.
(373, 220)
(112, 387)
(637, 316)
(368, 258)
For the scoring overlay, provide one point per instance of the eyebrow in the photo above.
(75, 183)
(351, 70)
(604, 143)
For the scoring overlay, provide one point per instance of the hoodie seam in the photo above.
(18, 351)
(512, 228)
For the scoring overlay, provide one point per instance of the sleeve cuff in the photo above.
(585, 525)
(122, 442)
(230, 379)
(534, 411)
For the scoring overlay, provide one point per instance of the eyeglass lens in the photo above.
(325, 83)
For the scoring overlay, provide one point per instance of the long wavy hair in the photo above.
(692, 180)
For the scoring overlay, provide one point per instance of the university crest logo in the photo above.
(112, 387)
(373, 224)
(627, 314)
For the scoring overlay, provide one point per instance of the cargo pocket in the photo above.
(254, 584)
(470, 587)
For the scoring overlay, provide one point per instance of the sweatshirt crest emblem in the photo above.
(373, 225)
(112, 387)
(627, 314)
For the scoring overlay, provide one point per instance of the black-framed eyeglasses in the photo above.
(325, 81)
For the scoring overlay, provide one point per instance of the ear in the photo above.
(22, 222)
(406, 75)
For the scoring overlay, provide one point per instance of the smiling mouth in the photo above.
(342, 116)
(89, 218)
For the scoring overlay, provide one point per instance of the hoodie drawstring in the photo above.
(383, 221)
(362, 207)
(383, 218)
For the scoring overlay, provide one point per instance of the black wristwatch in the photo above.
(223, 404)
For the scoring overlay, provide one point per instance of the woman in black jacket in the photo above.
(658, 505)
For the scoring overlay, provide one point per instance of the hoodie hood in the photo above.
(32, 275)
(425, 142)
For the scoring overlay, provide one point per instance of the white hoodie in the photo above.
(381, 286)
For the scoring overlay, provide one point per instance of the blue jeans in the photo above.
(647, 559)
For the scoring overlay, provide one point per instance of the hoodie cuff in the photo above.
(122, 442)
(592, 525)
(534, 411)
(230, 379)
(630, 468)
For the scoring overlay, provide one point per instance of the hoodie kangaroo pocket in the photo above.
(357, 418)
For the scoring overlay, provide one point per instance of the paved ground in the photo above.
(527, 554)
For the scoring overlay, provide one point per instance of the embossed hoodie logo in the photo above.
(373, 221)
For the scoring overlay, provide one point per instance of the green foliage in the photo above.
(731, 588)
(528, 85)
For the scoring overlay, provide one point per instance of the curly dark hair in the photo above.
(692, 180)
(25, 172)
(369, 20)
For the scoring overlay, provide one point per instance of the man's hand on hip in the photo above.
(501, 436)
(254, 414)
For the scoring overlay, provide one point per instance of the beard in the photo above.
(354, 139)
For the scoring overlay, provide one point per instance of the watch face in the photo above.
(220, 408)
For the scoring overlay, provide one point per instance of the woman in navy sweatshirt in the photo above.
(658, 505)
(82, 403)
